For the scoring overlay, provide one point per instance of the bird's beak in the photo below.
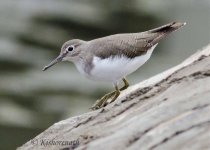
(55, 61)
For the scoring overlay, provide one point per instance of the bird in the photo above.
(112, 58)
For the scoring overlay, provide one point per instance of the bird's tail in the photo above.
(173, 26)
(159, 33)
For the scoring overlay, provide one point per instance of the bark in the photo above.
(168, 111)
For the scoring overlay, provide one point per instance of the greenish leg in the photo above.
(98, 103)
(117, 93)
(103, 101)
(125, 86)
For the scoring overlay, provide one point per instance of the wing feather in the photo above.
(129, 45)
(133, 44)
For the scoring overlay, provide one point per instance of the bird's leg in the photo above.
(98, 103)
(126, 84)
(117, 93)
(103, 101)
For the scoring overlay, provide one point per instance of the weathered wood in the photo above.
(168, 111)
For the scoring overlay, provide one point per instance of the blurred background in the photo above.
(32, 32)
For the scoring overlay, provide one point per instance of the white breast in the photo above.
(114, 69)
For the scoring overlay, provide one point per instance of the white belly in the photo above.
(114, 69)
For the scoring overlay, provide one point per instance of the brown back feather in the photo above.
(132, 44)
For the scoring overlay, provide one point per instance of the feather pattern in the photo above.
(119, 50)
(131, 44)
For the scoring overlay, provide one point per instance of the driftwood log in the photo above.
(170, 111)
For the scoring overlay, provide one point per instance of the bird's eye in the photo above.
(70, 48)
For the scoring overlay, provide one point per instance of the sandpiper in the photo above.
(113, 57)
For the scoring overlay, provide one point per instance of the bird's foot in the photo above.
(103, 101)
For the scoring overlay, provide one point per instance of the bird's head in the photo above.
(70, 51)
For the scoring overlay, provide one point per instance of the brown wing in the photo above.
(129, 45)
(133, 44)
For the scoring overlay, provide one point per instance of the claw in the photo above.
(104, 100)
